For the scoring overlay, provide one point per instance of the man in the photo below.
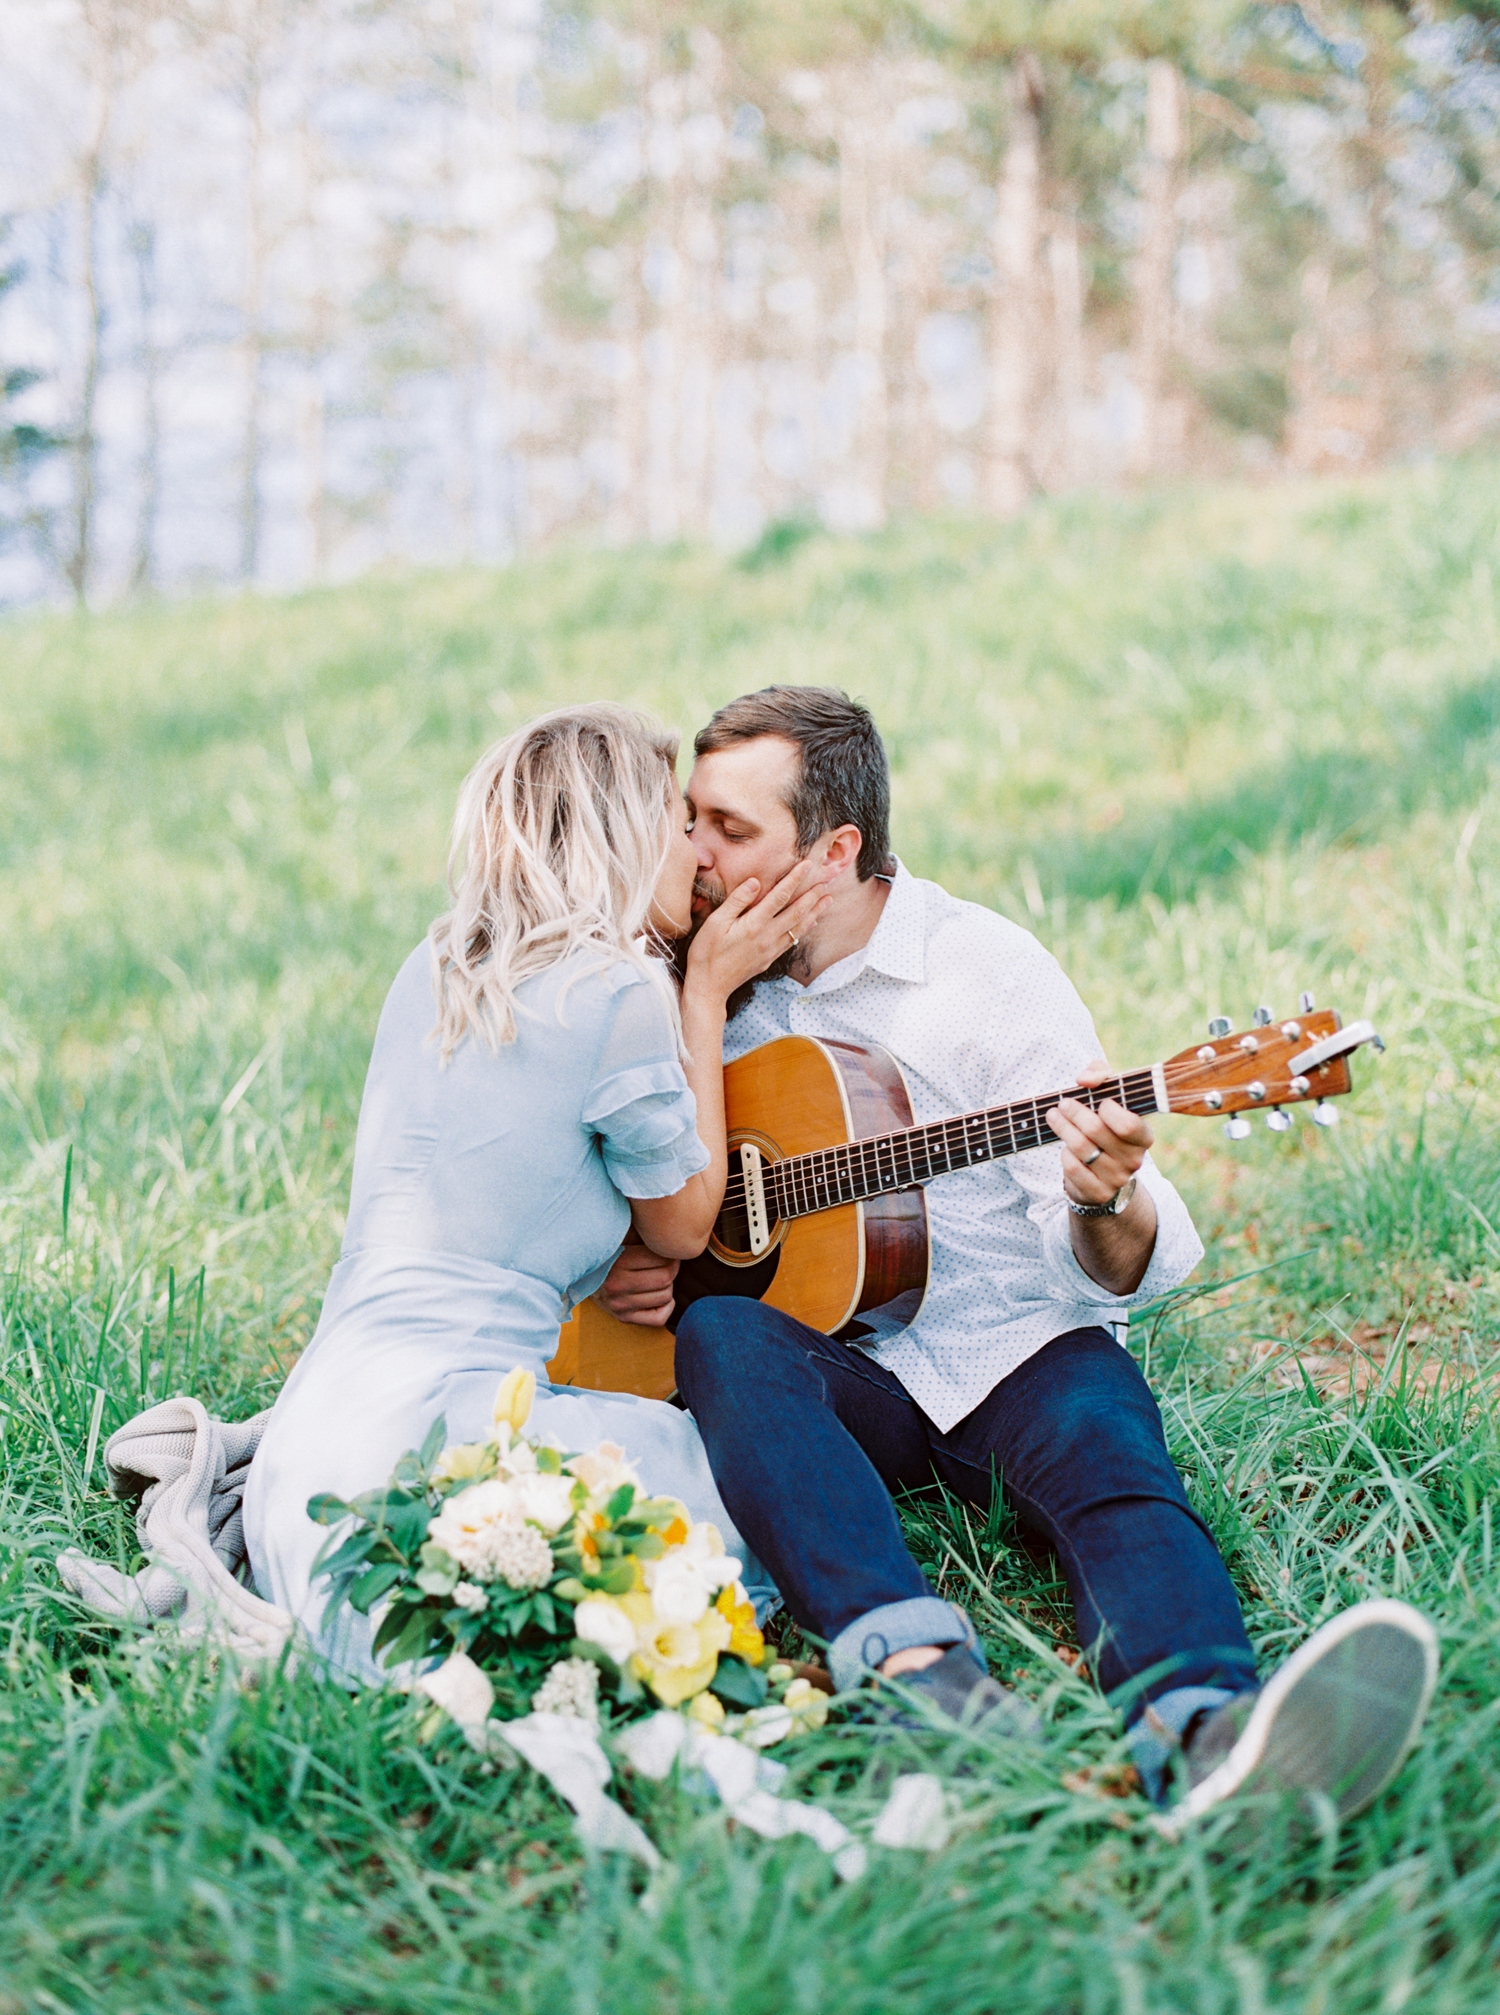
(1008, 1370)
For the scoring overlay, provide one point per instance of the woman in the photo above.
(503, 1153)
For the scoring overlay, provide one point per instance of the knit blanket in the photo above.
(185, 1472)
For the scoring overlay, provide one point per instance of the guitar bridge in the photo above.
(757, 1217)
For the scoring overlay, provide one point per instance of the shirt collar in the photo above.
(897, 946)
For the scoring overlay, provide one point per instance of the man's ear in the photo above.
(841, 848)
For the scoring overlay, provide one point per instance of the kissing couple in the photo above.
(543, 1120)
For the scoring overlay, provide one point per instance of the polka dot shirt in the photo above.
(977, 1014)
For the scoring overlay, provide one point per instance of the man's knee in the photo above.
(728, 1341)
(715, 1337)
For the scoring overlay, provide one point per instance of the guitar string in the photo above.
(819, 1177)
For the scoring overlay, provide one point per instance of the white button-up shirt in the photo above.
(977, 1014)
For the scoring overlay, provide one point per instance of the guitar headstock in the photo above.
(1305, 1057)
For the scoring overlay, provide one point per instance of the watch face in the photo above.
(1122, 1197)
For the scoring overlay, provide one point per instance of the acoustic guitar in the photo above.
(824, 1214)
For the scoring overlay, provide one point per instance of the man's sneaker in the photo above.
(956, 1689)
(1333, 1724)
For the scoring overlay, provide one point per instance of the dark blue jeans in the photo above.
(808, 1438)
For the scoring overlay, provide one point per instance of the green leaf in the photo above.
(326, 1509)
(420, 1635)
(569, 1589)
(616, 1579)
(407, 1526)
(738, 1684)
(549, 1462)
(620, 1503)
(371, 1586)
(432, 1447)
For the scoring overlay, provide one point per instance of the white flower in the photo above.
(599, 1620)
(546, 1500)
(680, 1593)
(571, 1688)
(704, 1546)
(764, 1725)
(482, 1530)
(471, 1597)
(517, 1457)
(602, 1470)
(520, 1555)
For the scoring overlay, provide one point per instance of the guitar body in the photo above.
(787, 1098)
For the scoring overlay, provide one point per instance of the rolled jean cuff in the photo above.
(1157, 1736)
(864, 1645)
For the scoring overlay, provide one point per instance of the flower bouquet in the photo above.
(572, 1589)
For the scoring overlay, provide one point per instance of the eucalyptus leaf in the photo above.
(738, 1684)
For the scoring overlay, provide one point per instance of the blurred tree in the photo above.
(23, 444)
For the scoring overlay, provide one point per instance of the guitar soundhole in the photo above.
(732, 1233)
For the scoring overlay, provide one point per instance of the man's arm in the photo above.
(638, 1287)
(1101, 1152)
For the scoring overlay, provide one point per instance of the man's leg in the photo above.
(1077, 1439)
(807, 1439)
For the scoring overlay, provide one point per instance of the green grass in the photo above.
(1214, 746)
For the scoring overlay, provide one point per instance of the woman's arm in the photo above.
(737, 942)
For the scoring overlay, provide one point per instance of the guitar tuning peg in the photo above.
(1325, 1114)
(1279, 1121)
(1237, 1128)
(1219, 1025)
(1305, 1003)
(1262, 1017)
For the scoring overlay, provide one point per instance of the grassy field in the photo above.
(1213, 747)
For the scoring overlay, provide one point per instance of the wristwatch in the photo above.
(1118, 1202)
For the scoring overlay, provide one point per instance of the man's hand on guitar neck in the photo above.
(638, 1287)
(1101, 1152)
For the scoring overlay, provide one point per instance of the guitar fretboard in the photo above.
(805, 1183)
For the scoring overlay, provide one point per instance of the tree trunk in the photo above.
(863, 186)
(254, 313)
(1067, 340)
(80, 562)
(1376, 146)
(1009, 475)
(143, 572)
(1154, 270)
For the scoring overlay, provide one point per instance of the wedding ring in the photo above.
(1090, 1159)
(794, 938)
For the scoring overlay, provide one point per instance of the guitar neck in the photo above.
(806, 1183)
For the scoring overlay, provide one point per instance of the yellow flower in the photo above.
(745, 1641)
(513, 1400)
(807, 1704)
(676, 1660)
(465, 1461)
(707, 1710)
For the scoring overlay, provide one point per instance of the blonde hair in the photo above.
(559, 837)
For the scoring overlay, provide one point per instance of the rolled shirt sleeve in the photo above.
(639, 1102)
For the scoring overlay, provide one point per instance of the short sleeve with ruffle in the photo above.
(639, 1102)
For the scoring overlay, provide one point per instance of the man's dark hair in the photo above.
(844, 779)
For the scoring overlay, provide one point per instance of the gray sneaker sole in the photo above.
(1335, 1722)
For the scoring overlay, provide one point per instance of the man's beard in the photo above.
(714, 894)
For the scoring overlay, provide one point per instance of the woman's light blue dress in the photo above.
(488, 1198)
